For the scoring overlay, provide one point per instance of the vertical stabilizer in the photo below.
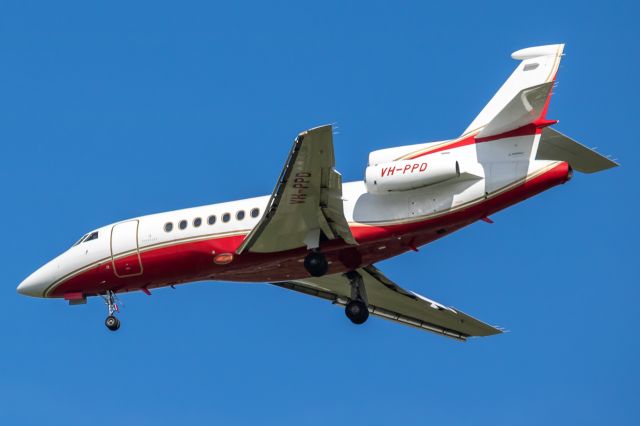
(539, 65)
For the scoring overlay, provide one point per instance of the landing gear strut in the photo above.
(357, 310)
(111, 322)
(316, 264)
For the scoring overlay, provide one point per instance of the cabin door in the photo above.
(125, 251)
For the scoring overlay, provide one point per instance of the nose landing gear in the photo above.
(110, 300)
(112, 323)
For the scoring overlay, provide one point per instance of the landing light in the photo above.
(223, 258)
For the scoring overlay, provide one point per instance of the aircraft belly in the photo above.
(189, 261)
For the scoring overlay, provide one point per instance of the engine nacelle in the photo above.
(409, 174)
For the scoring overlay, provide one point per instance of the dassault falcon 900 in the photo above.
(320, 237)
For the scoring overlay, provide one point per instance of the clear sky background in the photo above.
(110, 110)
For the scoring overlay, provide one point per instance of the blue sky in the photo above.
(114, 110)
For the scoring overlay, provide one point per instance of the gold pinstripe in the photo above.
(144, 249)
(461, 206)
(552, 73)
(431, 148)
(478, 200)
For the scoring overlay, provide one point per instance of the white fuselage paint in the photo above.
(491, 166)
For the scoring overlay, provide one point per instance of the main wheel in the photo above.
(316, 264)
(112, 323)
(357, 311)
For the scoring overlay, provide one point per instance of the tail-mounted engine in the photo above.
(409, 174)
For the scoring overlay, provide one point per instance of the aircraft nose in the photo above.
(35, 284)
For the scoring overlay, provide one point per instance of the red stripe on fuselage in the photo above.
(193, 261)
(534, 128)
(470, 140)
(529, 129)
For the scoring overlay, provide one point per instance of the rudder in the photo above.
(539, 66)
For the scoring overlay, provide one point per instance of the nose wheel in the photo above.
(112, 323)
(110, 300)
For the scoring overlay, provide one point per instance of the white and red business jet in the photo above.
(320, 237)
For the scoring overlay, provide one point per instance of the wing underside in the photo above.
(307, 201)
(389, 301)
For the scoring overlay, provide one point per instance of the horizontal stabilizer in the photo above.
(557, 147)
(525, 108)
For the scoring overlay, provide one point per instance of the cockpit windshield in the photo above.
(86, 237)
(92, 236)
(79, 241)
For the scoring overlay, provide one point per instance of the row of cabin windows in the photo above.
(240, 214)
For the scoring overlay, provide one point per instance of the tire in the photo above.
(316, 264)
(357, 311)
(112, 323)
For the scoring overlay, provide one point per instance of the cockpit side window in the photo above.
(86, 237)
(92, 236)
(79, 241)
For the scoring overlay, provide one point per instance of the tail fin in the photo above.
(519, 99)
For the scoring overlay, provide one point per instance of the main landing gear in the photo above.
(111, 322)
(357, 309)
(316, 263)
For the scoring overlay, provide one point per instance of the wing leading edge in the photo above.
(389, 301)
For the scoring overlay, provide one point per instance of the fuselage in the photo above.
(200, 243)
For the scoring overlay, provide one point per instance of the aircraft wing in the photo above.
(307, 200)
(389, 301)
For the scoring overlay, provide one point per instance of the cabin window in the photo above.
(255, 212)
(226, 217)
(168, 227)
(212, 219)
(182, 224)
(92, 236)
(197, 222)
(240, 215)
